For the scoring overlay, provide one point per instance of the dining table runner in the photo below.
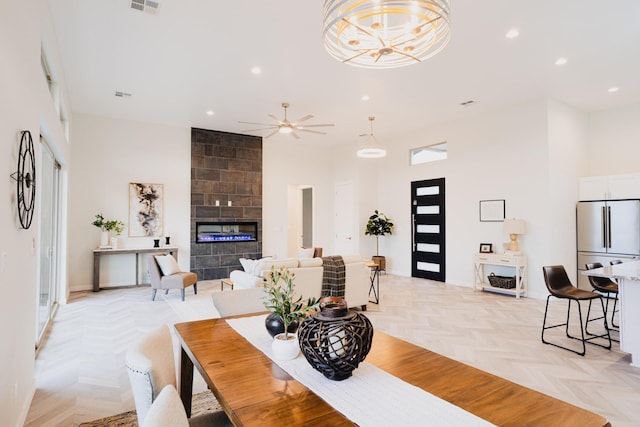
(371, 396)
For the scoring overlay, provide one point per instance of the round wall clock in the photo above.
(25, 178)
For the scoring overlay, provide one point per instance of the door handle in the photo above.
(413, 231)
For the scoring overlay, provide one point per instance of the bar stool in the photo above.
(606, 286)
(559, 286)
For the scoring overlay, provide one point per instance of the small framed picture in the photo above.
(486, 248)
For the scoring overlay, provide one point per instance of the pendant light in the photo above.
(371, 147)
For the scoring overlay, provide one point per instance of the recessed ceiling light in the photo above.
(256, 70)
(613, 89)
(561, 61)
(512, 33)
(365, 97)
(210, 113)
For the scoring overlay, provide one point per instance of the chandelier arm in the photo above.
(358, 55)
(359, 28)
(406, 54)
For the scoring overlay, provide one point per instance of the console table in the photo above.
(99, 253)
(518, 262)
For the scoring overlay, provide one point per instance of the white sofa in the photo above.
(308, 276)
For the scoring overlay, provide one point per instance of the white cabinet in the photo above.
(612, 187)
(518, 262)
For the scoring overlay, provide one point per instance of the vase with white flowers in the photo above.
(279, 288)
(105, 227)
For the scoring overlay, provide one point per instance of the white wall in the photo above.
(26, 104)
(295, 163)
(614, 141)
(107, 155)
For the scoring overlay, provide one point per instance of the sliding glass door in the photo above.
(49, 181)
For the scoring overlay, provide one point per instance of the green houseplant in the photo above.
(279, 288)
(379, 225)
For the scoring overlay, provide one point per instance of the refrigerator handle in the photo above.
(609, 226)
(603, 218)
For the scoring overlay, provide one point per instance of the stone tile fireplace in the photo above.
(226, 189)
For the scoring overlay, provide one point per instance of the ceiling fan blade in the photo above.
(255, 123)
(269, 128)
(315, 126)
(295, 135)
(271, 134)
(302, 119)
(274, 118)
(312, 131)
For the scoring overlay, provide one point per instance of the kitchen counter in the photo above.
(626, 270)
(627, 275)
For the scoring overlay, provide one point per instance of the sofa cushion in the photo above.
(310, 262)
(305, 253)
(167, 264)
(266, 264)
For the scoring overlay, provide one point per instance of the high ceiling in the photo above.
(197, 55)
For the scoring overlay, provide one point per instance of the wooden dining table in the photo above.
(254, 391)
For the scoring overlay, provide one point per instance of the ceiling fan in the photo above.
(285, 126)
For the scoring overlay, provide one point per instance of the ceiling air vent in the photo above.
(121, 94)
(146, 6)
(467, 103)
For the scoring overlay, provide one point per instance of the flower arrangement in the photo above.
(378, 225)
(111, 225)
(279, 297)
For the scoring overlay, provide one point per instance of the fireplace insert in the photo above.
(216, 232)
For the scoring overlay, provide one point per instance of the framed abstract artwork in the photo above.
(146, 203)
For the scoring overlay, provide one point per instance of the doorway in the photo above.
(344, 206)
(428, 229)
(48, 258)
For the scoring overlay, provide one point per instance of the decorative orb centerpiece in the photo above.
(335, 340)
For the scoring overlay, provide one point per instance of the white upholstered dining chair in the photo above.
(150, 363)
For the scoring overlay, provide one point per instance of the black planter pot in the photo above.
(275, 325)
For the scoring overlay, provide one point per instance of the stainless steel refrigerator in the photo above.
(606, 230)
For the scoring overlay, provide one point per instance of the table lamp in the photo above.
(513, 227)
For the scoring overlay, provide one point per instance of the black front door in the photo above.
(428, 229)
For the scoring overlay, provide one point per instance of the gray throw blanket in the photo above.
(333, 276)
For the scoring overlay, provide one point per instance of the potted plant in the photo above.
(379, 225)
(279, 288)
(105, 227)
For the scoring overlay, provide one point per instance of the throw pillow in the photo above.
(168, 264)
(248, 264)
(310, 262)
(305, 253)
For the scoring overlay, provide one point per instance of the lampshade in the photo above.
(514, 226)
(371, 148)
(385, 33)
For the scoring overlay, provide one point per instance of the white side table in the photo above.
(518, 262)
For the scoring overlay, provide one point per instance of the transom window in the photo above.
(429, 153)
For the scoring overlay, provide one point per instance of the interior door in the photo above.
(428, 229)
(345, 219)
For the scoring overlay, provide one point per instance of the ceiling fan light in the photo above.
(384, 29)
(285, 129)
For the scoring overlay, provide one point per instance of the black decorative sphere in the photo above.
(275, 325)
(335, 340)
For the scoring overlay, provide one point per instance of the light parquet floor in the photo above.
(80, 373)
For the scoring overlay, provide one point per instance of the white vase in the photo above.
(104, 239)
(114, 243)
(285, 349)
